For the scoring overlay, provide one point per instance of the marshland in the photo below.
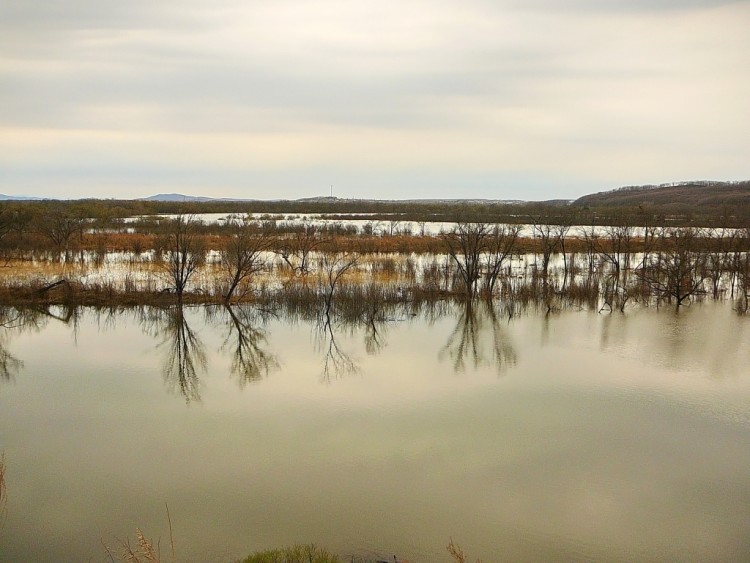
(535, 383)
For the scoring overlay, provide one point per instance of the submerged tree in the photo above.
(243, 256)
(60, 226)
(501, 245)
(678, 272)
(185, 252)
(465, 244)
(549, 239)
(334, 266)
(296, 249)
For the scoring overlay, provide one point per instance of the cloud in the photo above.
(587, 92)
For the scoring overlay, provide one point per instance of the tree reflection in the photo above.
(185, 352)
(480, 338)
(9, 364)
(13, 321)
(336, 361)
(250, 360)
(375, 327)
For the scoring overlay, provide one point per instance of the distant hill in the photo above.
(4, 197)
(700, 194)
(334, 199)
(177, 197)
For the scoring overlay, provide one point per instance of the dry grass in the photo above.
(457, 553)
(144, 550)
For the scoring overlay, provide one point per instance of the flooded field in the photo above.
(541, 435)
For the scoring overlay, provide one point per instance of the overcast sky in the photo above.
(523, 99)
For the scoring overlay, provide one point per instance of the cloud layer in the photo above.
(389, 99)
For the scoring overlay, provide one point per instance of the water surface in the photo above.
(570, 436)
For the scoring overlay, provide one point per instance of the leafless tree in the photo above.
(719, 260)
(615, 248)
(590, 236)
(740, 265)
(561, 230)
(501, 245)
(59, 227)
(465, 244)
(549, 239)
(185, 252)
(243, 256)
(678, 272)
(334, 266)
(393, 225)
(296, 249)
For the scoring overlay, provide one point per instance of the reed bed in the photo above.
(596, 280)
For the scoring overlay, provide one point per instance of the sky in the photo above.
(390, 99)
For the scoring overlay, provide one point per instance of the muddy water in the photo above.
(571, 436)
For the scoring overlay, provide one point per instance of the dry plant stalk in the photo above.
(171, 537)
(3, 495)
(144, 553)
(457, 553)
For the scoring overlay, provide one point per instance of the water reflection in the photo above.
(246, 339)
(480, 338)
(9, 364)
(12, 322)
(337, 362)
(696, 337)
(185, 353)
(348, 336)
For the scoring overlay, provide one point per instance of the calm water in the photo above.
(575, 436)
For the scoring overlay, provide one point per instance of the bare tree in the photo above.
(296, 250)
(590, 237)
(185, 252)
(243, 256)
(549, 238)
(393, 225)
(561, 232)
(719, 258)
(501, 245)
(59, 227)
(615, 248)
(465, 244)
(679, 271)
(741, 270)
(335, 265)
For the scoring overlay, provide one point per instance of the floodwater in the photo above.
(569, 436)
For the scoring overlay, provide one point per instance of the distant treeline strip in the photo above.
(700, 204)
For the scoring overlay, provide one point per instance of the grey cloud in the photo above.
(154, 67)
